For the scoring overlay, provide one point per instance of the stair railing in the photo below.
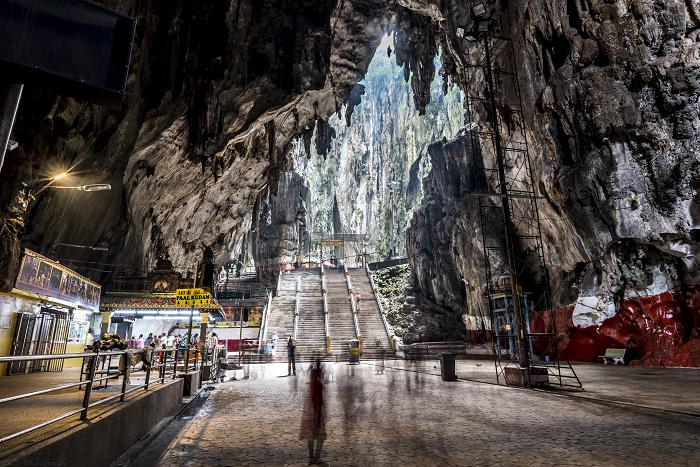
(356, 321)
(347, 278)
(296, 308)
(389, 332)
(328, 328)
(325, 312)
(264, 322)
(279, 285)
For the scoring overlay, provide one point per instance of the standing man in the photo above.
(291, 362)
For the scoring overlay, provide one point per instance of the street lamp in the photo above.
(49, 184)
(86, 247)
(95, 187)
(26, 195)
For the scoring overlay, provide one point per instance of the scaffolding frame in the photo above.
(514, 256)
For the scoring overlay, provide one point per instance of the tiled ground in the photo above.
(409, 416)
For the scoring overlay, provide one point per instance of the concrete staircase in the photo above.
(281, 318)
(374, 336)
(341, 325)
(311, 335)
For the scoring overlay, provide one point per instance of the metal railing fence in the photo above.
(165, 362)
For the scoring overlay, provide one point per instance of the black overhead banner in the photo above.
(74, 47)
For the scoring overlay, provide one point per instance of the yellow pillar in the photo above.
(106, 316)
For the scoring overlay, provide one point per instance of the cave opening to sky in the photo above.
(370, 180)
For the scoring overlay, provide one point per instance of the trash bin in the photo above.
(354, 355)
(447, 366)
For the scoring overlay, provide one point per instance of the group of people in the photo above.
(175, 341)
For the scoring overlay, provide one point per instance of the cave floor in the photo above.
(406, 415)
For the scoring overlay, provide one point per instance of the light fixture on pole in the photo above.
(94, 187)
(86, 247)
(484, 28)
(478, 10)
(482, 24)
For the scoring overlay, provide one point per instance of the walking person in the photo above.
(313, 419)
(291, 356)
(274, 345)
(380, 353)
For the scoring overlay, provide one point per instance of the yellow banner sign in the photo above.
(332, 243)
(192, 297)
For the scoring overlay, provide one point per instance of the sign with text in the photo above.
(192, 297)
(332, 243)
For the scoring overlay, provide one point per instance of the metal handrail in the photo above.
(347, 278)
(264, 321)
(328, 329)
(355, 320)
(160, 365)
(389, 331)
(296, 308)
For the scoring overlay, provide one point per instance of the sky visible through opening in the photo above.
(372, 176)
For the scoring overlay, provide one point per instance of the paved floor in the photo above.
(409, 416)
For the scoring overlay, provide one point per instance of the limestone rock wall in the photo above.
(610, 91)
(218, 91)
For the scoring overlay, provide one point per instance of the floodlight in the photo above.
(482, 26)
(479, 10)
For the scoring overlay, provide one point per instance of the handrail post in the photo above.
(347, 279)
(325, 315)
(148, 376)
(161, 367)
(296, 309)
(124, 378)
(177, 354)
(88, 386)
(356, 321)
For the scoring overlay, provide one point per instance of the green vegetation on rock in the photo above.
(391, 285)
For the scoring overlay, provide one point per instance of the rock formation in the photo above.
(219, 90)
